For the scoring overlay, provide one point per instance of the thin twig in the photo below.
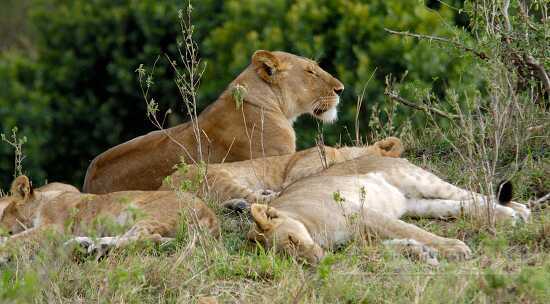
(424, 108)
(459, 45)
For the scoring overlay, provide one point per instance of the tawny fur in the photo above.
(249, 179)
(58, 187)
(367, 194)
(279, 87)
(151, 214)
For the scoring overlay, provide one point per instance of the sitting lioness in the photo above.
(370, 194)
(153, 215)
(261, 179)
(276, 88)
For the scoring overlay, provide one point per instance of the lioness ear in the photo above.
(21, 187)
(263, 216)
(267, 65)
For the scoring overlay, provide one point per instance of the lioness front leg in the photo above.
(396, 229)
(145, 230)
(141, 231)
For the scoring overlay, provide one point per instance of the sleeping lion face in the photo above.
(305, 86)
(21, 193)
(276, 230)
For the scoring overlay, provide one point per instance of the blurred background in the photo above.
(68, 81)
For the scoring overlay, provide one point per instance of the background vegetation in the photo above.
(67, 67)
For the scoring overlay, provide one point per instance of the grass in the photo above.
(511, 264)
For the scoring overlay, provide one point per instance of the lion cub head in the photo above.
(11, 221)
(276, 230)
(301, 84)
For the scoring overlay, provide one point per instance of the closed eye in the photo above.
(311, 72)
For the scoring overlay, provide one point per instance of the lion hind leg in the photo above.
(419, 183)
(438, 208)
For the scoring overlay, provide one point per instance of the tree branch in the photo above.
(540, 201)
(481, 55)
(424, 108)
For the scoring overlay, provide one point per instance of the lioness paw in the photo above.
(237, 205)
(522, 210)
(505, 213)
(454, 250)
(415, 249)
(97, 248)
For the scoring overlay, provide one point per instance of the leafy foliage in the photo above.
(80, 95)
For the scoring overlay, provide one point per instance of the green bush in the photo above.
(22, 104)
(80, 95)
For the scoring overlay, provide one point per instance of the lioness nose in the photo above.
(339, 90)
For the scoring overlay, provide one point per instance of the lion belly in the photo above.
(330, 205)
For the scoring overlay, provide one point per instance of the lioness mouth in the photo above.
(318, 112)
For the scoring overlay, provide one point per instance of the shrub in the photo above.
(80, 95)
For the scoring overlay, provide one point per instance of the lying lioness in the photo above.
(274, 90)
(261, 179)
(369, 194)
(154, 214)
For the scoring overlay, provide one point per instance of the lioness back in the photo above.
(27, 208)
(249, 179)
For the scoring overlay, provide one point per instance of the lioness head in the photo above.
(11, 220)
(276, 230)
(304, 87)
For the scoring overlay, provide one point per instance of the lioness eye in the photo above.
(312, 72)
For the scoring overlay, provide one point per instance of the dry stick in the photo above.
(424, 108)
(540, 200)
(481, 55)
(532, 62)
